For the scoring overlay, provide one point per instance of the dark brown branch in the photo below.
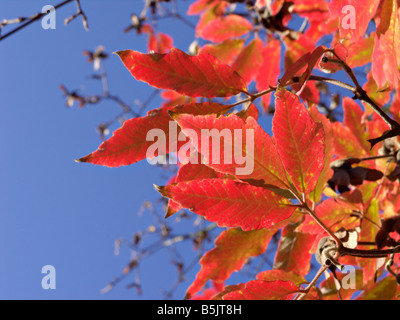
(31, 19)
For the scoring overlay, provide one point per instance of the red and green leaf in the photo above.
(300, 141)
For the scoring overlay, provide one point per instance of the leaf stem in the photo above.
(302, 295)
(374, 253)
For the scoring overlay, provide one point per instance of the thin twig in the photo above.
(32, 19)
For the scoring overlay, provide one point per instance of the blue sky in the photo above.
(53, 210)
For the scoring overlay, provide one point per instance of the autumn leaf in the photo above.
(293, 254)
(230, 203)
(353, 119)
(333, 213)
(249, 60)
(269, 71)
(190, 171)
(264, 290)
(160, 43)
(232, 248)
(194, 76)
(386, 53)
(385, 289)
(354, 16)
(223, 28)
(326, 172)
(261, 164)
(302, 69)
(345, 143)
(370, 225)
(360, 52)
(300, 141)
(225, 51)
(130, 143)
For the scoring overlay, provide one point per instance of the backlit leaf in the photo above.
(386, 54)
(249, 60)
(293, 254)
(232, 248)
(262, 164)
(129, 144)
(201, 75)
(223, 28)
(264, 290)
(225, 51)
(269, 71)
(230, 203)
(300, 141)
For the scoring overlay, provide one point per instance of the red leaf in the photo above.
(249, 60)
(384, 289)
(200, 5)
(223, 28)
(230, 203)
(296, 69)
(330, 212)
(190, 172)
(300, 141)
(330, 67)
(360, 52)
(326, 172)
(386, 54)
(232, 248)
(312, 9)
(370, 225)
(263, 166)
(195, 76)
(274, 274)
(293, 252)
(269, 70)
(380, 96)
(160, 43)
(353, 119)
(129, 144)
(225, 51)
(264, 290)
(360, 12)
(345, 143)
